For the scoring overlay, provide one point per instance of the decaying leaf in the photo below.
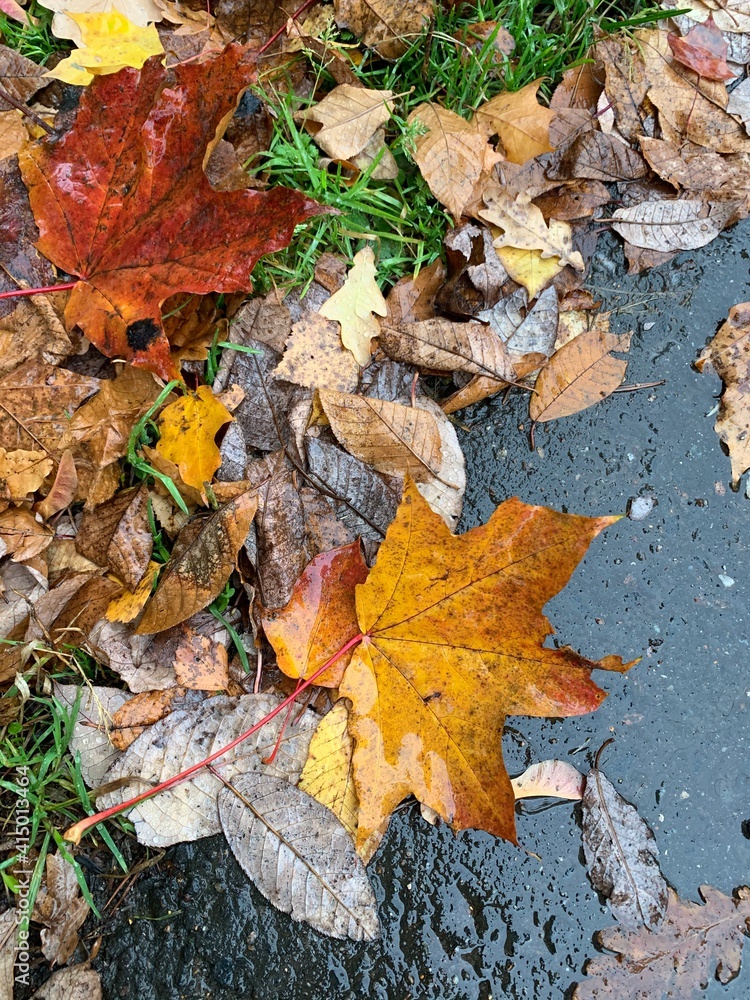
(692, 945)
(581, 373)
(22, 535)
(77, 982)
(621, 853)
(202, 559)
(356, 305)
(453, 155)
(188, 811)
(382, 25)
(200, 663)
(188, 429)
(672, 225)
(555, 778)
(729, 352)
(520, 121)
(116, 535)
(446, 346)
(320, 617)
(524, 227)
(299, 855)
(439, 612)
(91, 731)
(315, 357)
(704, 50)
(328, 774)
(132, 251)
(61, 908)
(22, 472)
(347, 118)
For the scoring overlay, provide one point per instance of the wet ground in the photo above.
(470, 917)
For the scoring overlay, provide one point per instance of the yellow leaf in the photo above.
(110, 42)
(529, 268)
(520, 121)
(355, 304)
(129, 604)
(188, 428)
(22, 472)
(524, 227)
(328, 774)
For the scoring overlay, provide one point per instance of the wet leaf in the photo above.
(116, 534)
(299, 856)
(446, 346)
(61, 908)
(692, 945)
(315, 357)
(621, 852)
(320, 618)
(188, 811)
(22, 472)
(530, 268)
(93, 726)
(356, 305)
(131, 251)
(109, 41)
(77, 982)
(328, 774)
(202, 559)
(382, 25)
(600, 157)
(729, 353)
(453, 156)
(554, 778)
(63, 490)
(19, 76)
(142, 710)
(347, 118)
(524, 227)
(188, 429)
(581, 373)
(453, 643)
(703, 50)
(140, 12)
(128, 605)
(22, 536)
(520, 121)
(201, 663)
(682, 224)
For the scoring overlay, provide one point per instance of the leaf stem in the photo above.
(18, 293)
(75, 832)
(20, 106)
(292, 17)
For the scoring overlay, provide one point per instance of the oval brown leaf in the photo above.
(446, 346)
(299, 856)
(580, 374)
(202, 559)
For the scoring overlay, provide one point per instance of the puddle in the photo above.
(470, 917)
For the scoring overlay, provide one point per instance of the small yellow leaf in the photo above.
(327, 775)
(355, 304)
(188, 428)
(129, 604)
(110, 42)
(524, 227)
(529, 268)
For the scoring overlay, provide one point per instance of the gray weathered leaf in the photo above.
(79, 982)
(91, 728)
(672, 225)
(188, 811)
(368, 503)
(534, 333)
(299, 856)
(620, 852)
(446, 346)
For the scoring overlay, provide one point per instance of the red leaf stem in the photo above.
(17, 293)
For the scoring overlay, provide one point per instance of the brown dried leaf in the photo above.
(347, 118)
(19, 76)
(626, 83)
(117, 535)
(141, 710)
(315, 357)
(600, 157)
(382, 25)
(22, 535)
(521, 122)
(453, 156)
(672, 225)
(78, 982)
(202, 559)
(581, 373)
(578, 200)
(476, 275)
(413, 298)
(61, 908)
(63, 489)
(20, 262)
(32, 329)
(445, 346)
(22, 472)
(201, 663)
(699, 170)
(692, 944)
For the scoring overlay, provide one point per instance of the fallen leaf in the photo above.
(703, 50)
(201, 663)
(363, 500)
(453, 155)
(12, 133)
(530, 268)
(682, 224)
(579, 200)
(692, 944)
(140, 12)
(356, 305)
(530, 332)
(200, 564)
(327, 774)
(699, 171)
(382, 25)
(93, 726)
(729, 352)
(128, 605)
(21, 77)
(520, 121)
(142, 710)
(315, 357)
(61, 908)
(299, 855)
(116, 534)
(524, 227)
(446, 346)
(63, 490)
(79, 982)
(320, 618)
(621, 852)
(109, 42)
(453, 642)
(187, 436)
(130, 251)
(22, 472)
(22, 535)
(347, 118)
(20, 261)
(554, 778)
(188, 811)
(739, 102)
(581, 373)
(600, 157)
(476, 277)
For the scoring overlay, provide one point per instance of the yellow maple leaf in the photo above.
(188, 428)
(110, 42)
(355, 304)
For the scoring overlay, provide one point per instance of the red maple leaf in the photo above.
(703, 50)
(122, 202)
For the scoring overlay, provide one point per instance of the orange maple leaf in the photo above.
(452, 642)
(122, 202)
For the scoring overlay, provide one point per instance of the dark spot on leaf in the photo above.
(142, 334)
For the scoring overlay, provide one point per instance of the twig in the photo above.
(634, 386)
(20, 106)
(282, 29)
